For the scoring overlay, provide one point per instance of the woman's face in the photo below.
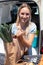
(24, 15)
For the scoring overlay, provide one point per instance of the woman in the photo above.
(23, 32)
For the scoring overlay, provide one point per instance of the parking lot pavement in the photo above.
(2, 58)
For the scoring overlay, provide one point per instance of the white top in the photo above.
(32, 28)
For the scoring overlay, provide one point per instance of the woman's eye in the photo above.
(22, 13)
(27, 13)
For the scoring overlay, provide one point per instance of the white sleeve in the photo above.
(33, 28)
(14, 29)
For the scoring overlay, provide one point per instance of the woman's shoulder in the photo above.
(32, 25)
(14, 25)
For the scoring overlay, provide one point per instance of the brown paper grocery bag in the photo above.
(10, 49)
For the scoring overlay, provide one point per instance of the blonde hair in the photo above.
(22, 6)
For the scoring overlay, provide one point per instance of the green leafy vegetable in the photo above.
(5, 33)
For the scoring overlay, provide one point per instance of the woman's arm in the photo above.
(27, 42)
(31, 33)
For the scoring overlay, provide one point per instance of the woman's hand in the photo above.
(20, 33)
